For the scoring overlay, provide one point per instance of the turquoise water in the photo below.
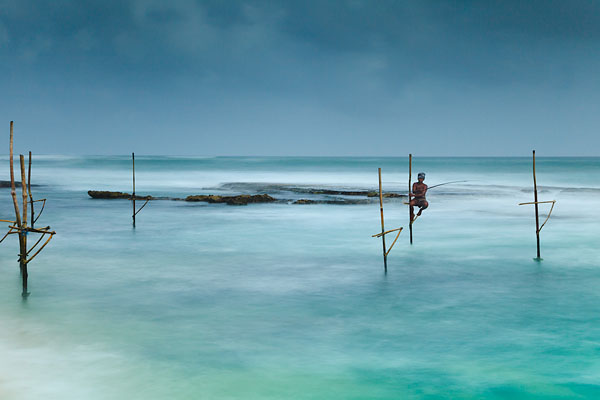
(283, 301)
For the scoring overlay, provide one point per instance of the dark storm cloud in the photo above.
(328, 66)
(440, 37)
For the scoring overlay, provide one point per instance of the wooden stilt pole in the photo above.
(13, 191)
(133, 195)
(382, 223)
(537, 217)
(410, 214)
(19, 225)
(29, 190)
(23, 233)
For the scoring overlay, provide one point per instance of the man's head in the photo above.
(421, 176)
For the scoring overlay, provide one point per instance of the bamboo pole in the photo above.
(537, 216)
(382, 223)
(23, 235)
(29, 190)
(410, 214)
(13, 191)
(19, 226)
(133, 195)
(24, 191)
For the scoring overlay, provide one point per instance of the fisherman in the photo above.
(418, 193)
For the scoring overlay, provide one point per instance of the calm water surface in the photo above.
(283, 301)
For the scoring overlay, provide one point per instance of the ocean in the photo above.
(290, 301)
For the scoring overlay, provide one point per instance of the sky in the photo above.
(301, 78)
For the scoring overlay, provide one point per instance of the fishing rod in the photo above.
(445, 183)
(441, 184)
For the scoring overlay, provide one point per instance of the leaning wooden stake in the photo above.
(410, 215)
(382, 223)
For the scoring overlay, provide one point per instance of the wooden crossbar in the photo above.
(538, 202)
(549, 213)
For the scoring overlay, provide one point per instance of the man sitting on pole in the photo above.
(418, 197)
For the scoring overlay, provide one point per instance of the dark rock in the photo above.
(6, 184)
(348, 193)
(240, 200)
(336, 201)
(386, 195)
(305, 201)
(103, 194)
(330, 192)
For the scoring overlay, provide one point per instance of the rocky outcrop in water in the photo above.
(306, 190)
(330, 192)
(305, 201)
(245, 199)
(337, 201)
(240, 200)
(103, 194)
(6, 184)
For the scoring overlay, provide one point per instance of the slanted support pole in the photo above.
(382, 223)
(133, 195)
(410, 215)
(537, 217)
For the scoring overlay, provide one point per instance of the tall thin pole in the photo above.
(13, 191)
(24, 191)
(382, 224)
(29, 190)
(133, 196)
(22, 232)
(537, 217)
(410, 216)
(23, 229)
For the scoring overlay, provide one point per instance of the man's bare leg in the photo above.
(424, 206)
